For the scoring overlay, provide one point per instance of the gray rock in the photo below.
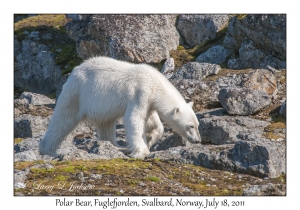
(27, 144)
(135, 38)
(197, 71)
(243, 101)
(227, 130)
(260, 40)
(215, 55)
(257, 79)
(28, 126)
(251, 57)
(36, 99)
(102, 148)
(229, 41)
(28, 155)
(20, 177)
(262, 158)
(19, 185)
(262, 80)
(232, 81)
(196, 29)
(282, 110)
(168, 68)
(168, 142)
(96, 176)
(204, 94)
(265, 190)
(95, 149)
(35, 68)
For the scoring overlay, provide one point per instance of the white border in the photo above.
(8, 201)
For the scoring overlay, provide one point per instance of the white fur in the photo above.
(154, 129)
(101, 90)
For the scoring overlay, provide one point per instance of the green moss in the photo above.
(182, 56)
(41, 170)
(60, 178)
(118, 193)
(180, 48)
(132, 181)
(153, 178)
(241, 16)
(69, 169)
(81, 167)
(23, 165)
(39, 162)
(279, 119)
(18, 140)
(51, 95)
(55, 21)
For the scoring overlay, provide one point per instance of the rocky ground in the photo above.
(234, 71)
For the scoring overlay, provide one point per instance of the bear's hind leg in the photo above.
(154, 129)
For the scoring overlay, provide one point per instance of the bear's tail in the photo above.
(63, 121)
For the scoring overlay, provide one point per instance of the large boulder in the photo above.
(262, 80)
(216, 55)
(259, 39)
(262, 158)
(195, 70)
(134, 38)
(204, 94)
(35, 67)
(243, 101)
(265, 190)
(229, 129)
(197, 29)
(36, 99)
(27, 125)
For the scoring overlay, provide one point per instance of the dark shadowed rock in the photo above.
(197, 71)
(215, 55)
(243, 101)
(197, 29)
(134, 38)
(282, 110)
(168, 142)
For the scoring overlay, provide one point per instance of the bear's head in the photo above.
(184, 121)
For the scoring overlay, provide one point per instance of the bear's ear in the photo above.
(191, 104)
(176, 110)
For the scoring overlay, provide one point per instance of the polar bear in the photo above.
(102, 89)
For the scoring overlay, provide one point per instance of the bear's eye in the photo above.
(191, 126)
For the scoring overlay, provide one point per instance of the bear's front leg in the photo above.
(134, 123)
